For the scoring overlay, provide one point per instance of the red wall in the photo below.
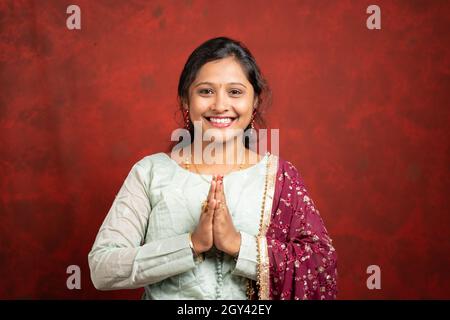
(363, 115)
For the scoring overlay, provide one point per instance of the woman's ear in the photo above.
(255, 102)
(185, 102)
(185, 105)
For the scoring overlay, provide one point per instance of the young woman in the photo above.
(240, 229)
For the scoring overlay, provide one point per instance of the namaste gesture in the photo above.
(215, 225)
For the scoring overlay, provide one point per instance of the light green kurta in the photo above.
(144, 239)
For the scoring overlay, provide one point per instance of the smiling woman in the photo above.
(241, 230)
(222, 86)
(212, 100)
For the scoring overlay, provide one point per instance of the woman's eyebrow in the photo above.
(211, 84)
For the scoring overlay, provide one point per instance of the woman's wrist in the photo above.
(191, 244)
(198, 256)
(236, 245)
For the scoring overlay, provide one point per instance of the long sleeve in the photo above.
(119, 259)
(246, 264)
(303, 262)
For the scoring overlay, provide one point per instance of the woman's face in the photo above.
(221, 98)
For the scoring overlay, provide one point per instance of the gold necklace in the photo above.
(187, 163)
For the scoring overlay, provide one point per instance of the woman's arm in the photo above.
(246, 262)
(119, 259)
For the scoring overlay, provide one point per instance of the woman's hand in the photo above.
(202, 237)
(226, 237)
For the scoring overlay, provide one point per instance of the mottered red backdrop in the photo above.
(363, 114)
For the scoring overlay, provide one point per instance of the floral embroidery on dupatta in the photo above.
(296, 258)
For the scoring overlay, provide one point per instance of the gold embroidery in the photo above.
(263, 273)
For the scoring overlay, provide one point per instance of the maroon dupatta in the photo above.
(296, 259)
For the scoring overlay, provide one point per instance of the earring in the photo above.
(252, 123)
(186, 163)
(187, 121)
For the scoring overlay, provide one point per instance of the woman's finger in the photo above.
(212, 188)
(216, 191)
(211, 207)
(221, 192)
(207, 204)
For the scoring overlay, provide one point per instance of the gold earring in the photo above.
(252, 123)
(187, 121)
(186, 163)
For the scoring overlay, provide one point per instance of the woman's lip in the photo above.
(221, 125)
(221, 117)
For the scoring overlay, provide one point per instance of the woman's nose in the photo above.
(220, 103)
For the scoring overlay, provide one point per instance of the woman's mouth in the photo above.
(221, 122)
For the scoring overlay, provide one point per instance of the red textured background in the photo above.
(362, 114)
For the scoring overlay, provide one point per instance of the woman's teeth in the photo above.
(220, 120)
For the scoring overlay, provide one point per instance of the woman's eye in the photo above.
(205, 91)
(235, 92)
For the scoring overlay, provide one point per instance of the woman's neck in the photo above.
(222, 153)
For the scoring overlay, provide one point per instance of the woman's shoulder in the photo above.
(287, 170)
(153, 169)
(153, 159)
(148, 165)
(291, 180)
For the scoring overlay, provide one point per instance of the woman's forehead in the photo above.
(222, 71)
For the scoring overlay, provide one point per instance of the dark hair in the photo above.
(219, 48)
